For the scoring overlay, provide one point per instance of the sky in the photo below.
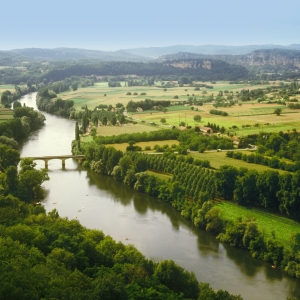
(116, 24)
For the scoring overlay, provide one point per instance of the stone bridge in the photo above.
(63, 158)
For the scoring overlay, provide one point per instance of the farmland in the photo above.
(8, 87)
(5, 114)
(248, 117)
(218, 159)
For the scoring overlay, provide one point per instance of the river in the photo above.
(153, 227)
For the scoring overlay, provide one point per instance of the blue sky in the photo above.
(119, 24)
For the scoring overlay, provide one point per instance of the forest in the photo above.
(57, 71)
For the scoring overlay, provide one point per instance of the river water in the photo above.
(153, 227)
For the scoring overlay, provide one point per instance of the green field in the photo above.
(218, 159)
(9, 87)
(283, 227)
(151, 144)
(259, 116)
(126, 128)
(160, 175)
(5, 114)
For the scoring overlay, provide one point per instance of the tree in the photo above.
(8, 156)
(177, 279)
(74, 86)
(77, 138)
(246, 190)
(278, 111)
(226, 177)
(141, 164)
(197, 118)
(163, 120)
(125, 164)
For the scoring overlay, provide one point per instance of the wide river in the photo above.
(151, 226)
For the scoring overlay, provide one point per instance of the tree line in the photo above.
(146, 104)
(259, 159)
(45, 102)
(57, 71)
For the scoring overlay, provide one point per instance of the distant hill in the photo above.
(77, 54)
(200, 69)
(9, 59)
(155, 52)
(267, 59)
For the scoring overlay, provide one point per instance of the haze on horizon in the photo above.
(119, 24)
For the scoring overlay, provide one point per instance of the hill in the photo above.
(10, 59)
(156, 52)
(266, 59)
(200, 69)
(76, 54)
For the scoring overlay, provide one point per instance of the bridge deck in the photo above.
(62, 157)
(56, 157)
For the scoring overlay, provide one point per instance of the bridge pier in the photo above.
(79, 161)
(63, 163)
(46, 163)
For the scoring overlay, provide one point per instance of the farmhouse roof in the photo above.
(205, 129)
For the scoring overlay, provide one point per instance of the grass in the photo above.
(117, 130)
(151, 144)
(162, 176)
(5, 114)
(218, 159)
(9, 87)
(127, 128)
(283, 227)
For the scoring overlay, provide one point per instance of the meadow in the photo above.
(218, 159)
(151, 144)
(283, 227)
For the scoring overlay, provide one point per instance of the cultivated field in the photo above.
(151, 144)
(218, 159)
(5, 114)
(259, 117)
(9, 87)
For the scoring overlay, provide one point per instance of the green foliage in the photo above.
(197, 118)
(177, 279)
(45, 256)
(278, 111)
(226, 177)
(45, 101)
(147, 104)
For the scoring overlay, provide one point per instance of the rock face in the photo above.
(204, 64)
(279, 59)
(276, 57)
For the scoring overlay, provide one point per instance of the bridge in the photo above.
(63, 158)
